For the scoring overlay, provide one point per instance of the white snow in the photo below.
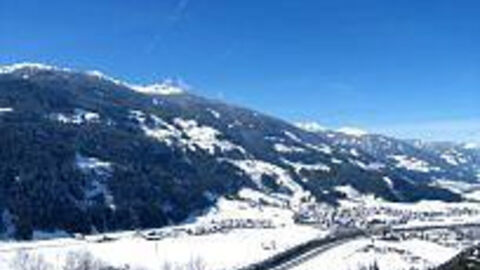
(474, 195)
(311, 126)
(214, 113)
(354, 198)
(413, 164)
(407, 215)
(354, 152)
(349, 191)
(204, 137)
(262, 198)
(373, 166)
(292, 136)
(282, 148)
(4, 69)
(274, 139)
(322, 148)
(79, 116)
(162, 131)
(97, 185)
(214, 249)
(469, 191)
(403, 255)
(453, 158)
(471, 146)
(91, 116)
(252, 205)
(456, 186)
(336, 161)
(352, 131)
(298, 167)
(167, 87)
(185, 132)
(255, 169)
(449, 159)
(91, 163)
(140, 116)
(5, 110)
(217, 251)
(388, 181)
(177, 248)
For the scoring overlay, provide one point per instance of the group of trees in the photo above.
(83, 260)
(151, 184)
(25, 260)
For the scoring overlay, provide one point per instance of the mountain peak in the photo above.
(352, 131)
(165, 87)
(4, 69)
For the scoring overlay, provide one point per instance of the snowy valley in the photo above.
(119, 176)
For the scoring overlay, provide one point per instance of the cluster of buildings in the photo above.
(204, 228)
(364, 216)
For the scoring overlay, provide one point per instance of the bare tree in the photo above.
(83, 261)
(196, 264)
(24, 260)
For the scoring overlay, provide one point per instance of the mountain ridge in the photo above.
(83, 152)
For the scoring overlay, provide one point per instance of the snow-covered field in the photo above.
(216, 251)
(243, 243)
(239, 232)
(402, 255)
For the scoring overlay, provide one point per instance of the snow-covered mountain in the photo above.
(83, 152)
(436, 163)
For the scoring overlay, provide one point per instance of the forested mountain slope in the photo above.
(82, 152)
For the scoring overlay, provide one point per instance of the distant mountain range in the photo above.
(83, 152)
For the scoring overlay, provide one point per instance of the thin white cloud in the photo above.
(175, 17)
(179, 11)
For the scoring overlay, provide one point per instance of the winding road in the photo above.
(297, 255)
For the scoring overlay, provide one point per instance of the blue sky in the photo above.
(409, 68)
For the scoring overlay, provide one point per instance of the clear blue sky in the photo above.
(409, 67)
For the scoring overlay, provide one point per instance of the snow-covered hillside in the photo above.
(101, 155)
(397, 255)
(231, 235)
(238, 232)
(171, 154)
